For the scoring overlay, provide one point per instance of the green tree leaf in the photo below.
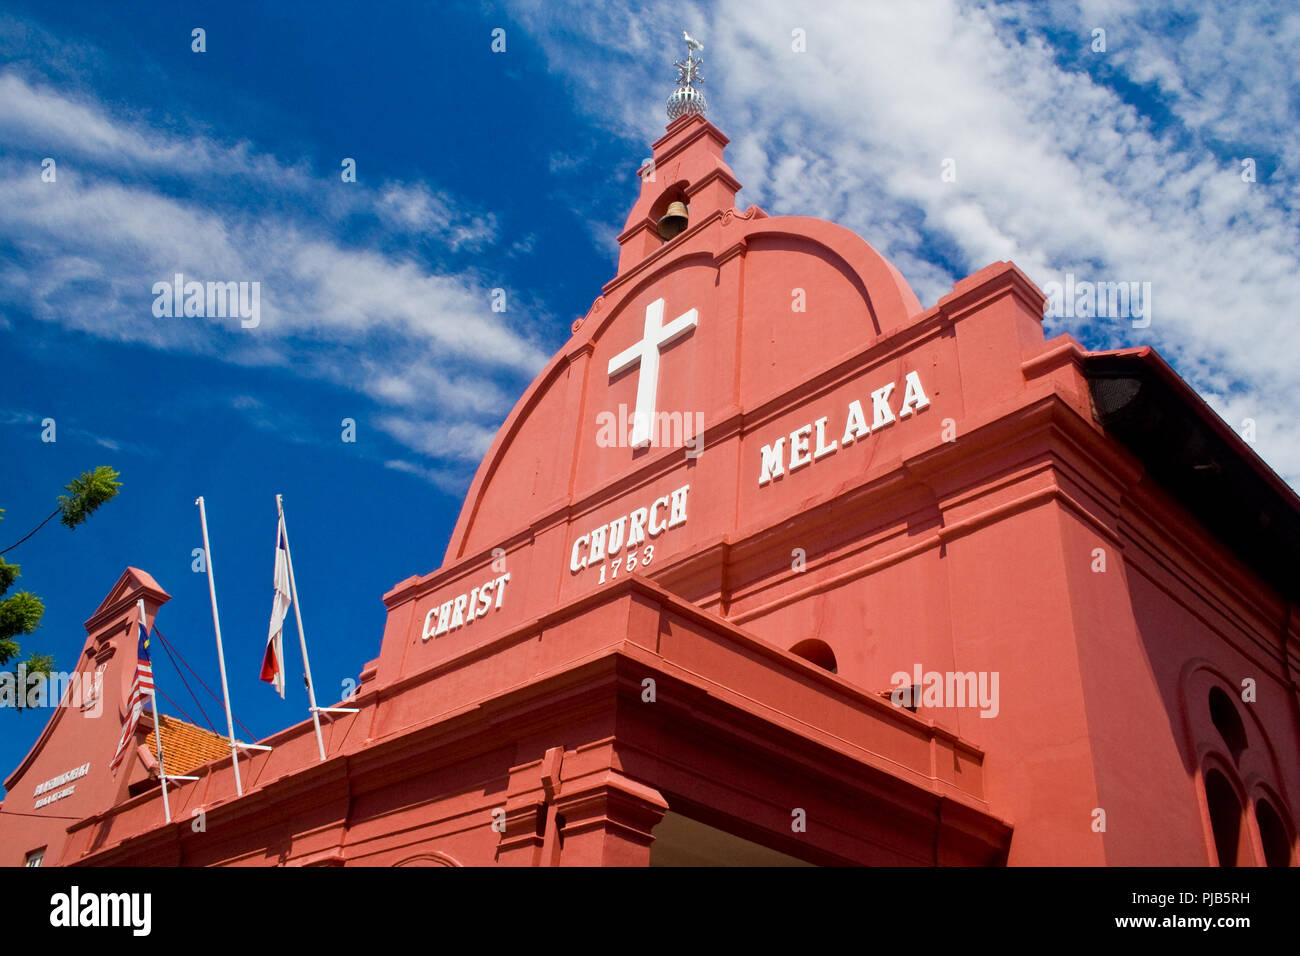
(87, 493)
(8, 575)
(21, 613)
(37, 664)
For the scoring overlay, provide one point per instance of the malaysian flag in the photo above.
(141, 688)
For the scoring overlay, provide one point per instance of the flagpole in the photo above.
(162, 768)
(157, 726)
(221, 657)
(302, 637)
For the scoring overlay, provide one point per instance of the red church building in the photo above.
(771, 565)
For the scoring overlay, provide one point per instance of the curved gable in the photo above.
(777, 300)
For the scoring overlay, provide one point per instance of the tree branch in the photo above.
(32, 532)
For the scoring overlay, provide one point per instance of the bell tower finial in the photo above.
(688, 97)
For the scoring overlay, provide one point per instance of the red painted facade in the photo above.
(685, 652)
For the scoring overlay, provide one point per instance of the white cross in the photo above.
(646, 354)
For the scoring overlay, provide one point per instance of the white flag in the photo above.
(273, 659)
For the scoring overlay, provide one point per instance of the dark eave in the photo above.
(1199, 461)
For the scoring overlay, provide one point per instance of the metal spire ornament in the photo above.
(687, 98)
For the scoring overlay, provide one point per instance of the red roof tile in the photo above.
(186, 746)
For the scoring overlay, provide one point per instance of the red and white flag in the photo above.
(141, 688)
(273, 659)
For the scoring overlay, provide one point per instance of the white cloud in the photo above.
(441, 440)
(452, 482)
(91, 245)
(11, 417)
(1056, 170)
(419, 209)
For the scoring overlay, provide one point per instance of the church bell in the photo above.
(673, 221)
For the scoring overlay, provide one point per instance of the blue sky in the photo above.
(479, 171)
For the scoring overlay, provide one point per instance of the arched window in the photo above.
(1272, 833)
(1225, 817)
(816, 652)
(1227, 721)
(1248, 822)
(669, 221)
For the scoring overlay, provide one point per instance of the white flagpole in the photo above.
(162, 768)
(221, 657)
(157, 725)
(302, 638)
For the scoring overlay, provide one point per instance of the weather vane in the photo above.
(687, 98)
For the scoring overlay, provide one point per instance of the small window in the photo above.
(1272, 833)
(35, 857)
(816, 652)
(1225, 817)
(1227, 721)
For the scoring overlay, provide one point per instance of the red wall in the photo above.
(965, 536)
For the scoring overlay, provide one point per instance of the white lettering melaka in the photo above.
(774, 461)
